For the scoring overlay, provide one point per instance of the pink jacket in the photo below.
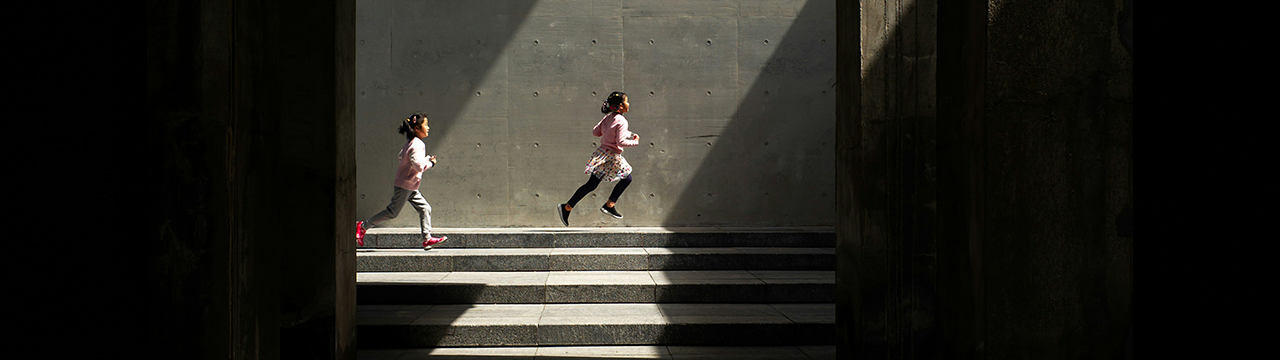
(413, 160)
(613, 133)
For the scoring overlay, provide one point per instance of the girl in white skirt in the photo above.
(607, 162)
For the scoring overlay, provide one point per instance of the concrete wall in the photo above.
(983, 207)
(738, 131)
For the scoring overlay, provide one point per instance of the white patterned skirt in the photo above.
(608, 165)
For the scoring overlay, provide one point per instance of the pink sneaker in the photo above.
(360, 233)
(426, 245)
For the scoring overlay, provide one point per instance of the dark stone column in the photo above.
(962, 49)
(317, 165)
(1034, 168)
(1056, 274)
(886, 172)
(849, 178)
(207, 221)
(246, 205)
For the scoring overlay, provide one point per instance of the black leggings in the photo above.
(594, 182)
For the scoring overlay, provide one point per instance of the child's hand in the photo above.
(431, 158)
(635, 136)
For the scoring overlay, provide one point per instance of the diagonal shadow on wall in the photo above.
(406, 49)
(413, 56)
(778, 147)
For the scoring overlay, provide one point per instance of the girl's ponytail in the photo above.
(612, 103)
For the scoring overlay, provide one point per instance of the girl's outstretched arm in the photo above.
(625, 138)
(418, 160)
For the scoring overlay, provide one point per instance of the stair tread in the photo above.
(640, 277)
(594, 314)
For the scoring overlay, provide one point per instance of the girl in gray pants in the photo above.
(413, 161)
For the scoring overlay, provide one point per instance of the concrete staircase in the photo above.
(706, 293)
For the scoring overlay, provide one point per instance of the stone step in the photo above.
(410, 238)
(608, 352)
(596, 259)
(423, 326)
(560, 287)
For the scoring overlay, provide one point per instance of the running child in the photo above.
(413, 161)
(607, 162)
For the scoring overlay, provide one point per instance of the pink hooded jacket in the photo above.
(413, 160)
(613, 133)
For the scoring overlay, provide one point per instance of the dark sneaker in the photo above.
(360, 233)
(426, 245)
(612, 211)
(564, 214)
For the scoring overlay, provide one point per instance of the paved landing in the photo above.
(599, 258)
(607, 352)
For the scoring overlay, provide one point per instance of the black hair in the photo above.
(407, 126)
(612, 102)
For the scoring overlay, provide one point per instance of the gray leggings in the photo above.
(398, 197)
